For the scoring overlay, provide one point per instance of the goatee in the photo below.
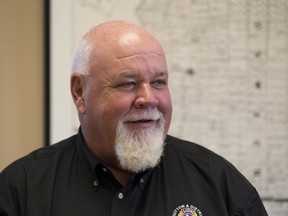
(140, 149)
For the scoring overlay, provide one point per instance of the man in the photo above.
(122, 162)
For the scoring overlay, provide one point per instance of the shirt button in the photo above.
(104, 169)
(120, 196)
(142, 180)
(95, 183)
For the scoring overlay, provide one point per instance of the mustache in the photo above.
(153, 115)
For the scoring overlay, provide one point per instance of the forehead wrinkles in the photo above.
(150, 54)
(144, 61)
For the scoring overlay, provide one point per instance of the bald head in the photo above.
(113, 39)
(112, 30)
(126, 76)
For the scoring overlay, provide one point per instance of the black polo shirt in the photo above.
(66, 179)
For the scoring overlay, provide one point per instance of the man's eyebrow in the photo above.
(132, 75)
(127, 75)
(161, 74)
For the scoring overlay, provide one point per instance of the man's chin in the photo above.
(136, 165)
(136, 155)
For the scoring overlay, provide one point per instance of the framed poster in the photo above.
(228, 72)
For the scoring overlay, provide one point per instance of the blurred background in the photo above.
(22, 78)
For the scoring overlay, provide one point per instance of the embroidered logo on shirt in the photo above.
(187, 210)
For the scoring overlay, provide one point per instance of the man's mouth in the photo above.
(144, 123)
(144, 120)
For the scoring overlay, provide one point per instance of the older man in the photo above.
(122, 162)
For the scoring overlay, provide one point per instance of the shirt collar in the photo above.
(92, 160)
(139, 179)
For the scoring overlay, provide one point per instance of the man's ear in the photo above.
(77, 85)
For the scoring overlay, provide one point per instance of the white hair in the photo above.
(81, 58)
(140, 149)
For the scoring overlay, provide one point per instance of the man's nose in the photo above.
(145, 97)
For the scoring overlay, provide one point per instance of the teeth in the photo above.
(143, 117)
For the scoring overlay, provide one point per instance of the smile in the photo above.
(142, 123)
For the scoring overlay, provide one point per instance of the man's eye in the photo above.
(126, 85)
(159, 83)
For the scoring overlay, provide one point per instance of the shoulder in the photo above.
(188, 149)
(43, 156)
(193, 155)
(208, 170)
(185, 146)
(34, 175)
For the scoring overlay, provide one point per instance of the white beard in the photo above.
(140, 149)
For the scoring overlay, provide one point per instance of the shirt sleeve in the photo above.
(242, 199)
(11, 183)
(253, 206)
